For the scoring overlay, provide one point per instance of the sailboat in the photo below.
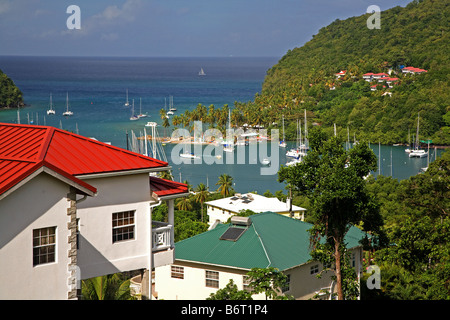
(228, 145)
(171, 107)
(141, 115)
(51, 110)
(418, 153)
(283, 143)
(202, 72)
(133, 117)
(67, 112)
(127, 103)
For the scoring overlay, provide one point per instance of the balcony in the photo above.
(162, 244)
(161, 236)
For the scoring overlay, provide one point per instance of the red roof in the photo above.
(164, 188)
(25, 149)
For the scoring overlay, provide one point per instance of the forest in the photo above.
(10, 94)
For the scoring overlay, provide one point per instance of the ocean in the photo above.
(97, 88)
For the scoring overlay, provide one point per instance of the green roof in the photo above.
(272, 240)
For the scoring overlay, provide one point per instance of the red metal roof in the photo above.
(163, 187)
(25, 148)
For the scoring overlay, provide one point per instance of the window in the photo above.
(123, 226)
(246, 283)
(44, 245)
(287, 284)
(314, 269)
(212, 279)
(177, 272)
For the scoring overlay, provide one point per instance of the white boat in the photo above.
(283, 143)
(133, 117)
(169, 113)
(126, 102)
(228, 148)
(171, 107)
(293, 162)
(51, 110)
(418, 153)
(265, 161)
(141, 115)
(293, 153)
(189, 155)
(228, 145)
(202, 72)
(67, 112)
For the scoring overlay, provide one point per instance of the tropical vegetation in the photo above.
(10, 94)
(304, 79)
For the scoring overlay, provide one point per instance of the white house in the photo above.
(72, 208)
(206, 263)
(223, 209)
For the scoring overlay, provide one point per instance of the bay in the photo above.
(97, 92)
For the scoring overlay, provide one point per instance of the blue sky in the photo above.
(170, 28)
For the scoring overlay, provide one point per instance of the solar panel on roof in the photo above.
(232, 234)
(246, 201)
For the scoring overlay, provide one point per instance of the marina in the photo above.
(99, 94)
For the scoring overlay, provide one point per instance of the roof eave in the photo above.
(122, 173)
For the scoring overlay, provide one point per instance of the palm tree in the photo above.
(109, 287)
(184, 204)
(225, 184)
(201, 194)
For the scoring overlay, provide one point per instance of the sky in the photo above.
(170, 28)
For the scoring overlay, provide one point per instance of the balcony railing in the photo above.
(161, 236)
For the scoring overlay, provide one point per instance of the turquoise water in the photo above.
(97, 93)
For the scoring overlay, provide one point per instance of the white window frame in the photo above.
(44, 242)
(211, 279)
(177, 272)
(314, 269)
(123, 226)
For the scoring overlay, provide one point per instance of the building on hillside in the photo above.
(206, 262)
(340, 74)
(413, 70)
(222, 209)
(368, 76)
(72, 208)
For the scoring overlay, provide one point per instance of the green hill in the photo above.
(417, 35)
(10, 95)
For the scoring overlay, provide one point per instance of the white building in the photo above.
(206, 263)
(72, 208)
(223, 209)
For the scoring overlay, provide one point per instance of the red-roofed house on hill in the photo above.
(340, 74)
(72, 208)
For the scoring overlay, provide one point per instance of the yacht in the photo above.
(51, 110)
(67, 112)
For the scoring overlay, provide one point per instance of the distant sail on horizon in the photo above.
(202, 72)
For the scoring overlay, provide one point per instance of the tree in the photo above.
(184, 204)
(225, 184)
(268, 280)
(201, 194)
(333, 179)
(230, 292)
(109, 287)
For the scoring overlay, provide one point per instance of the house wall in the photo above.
(216, 213)
(97, 254)
(303, 284)
(40, 203)
(193, 286)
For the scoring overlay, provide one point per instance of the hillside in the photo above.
(417, 35)
(10, 95)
